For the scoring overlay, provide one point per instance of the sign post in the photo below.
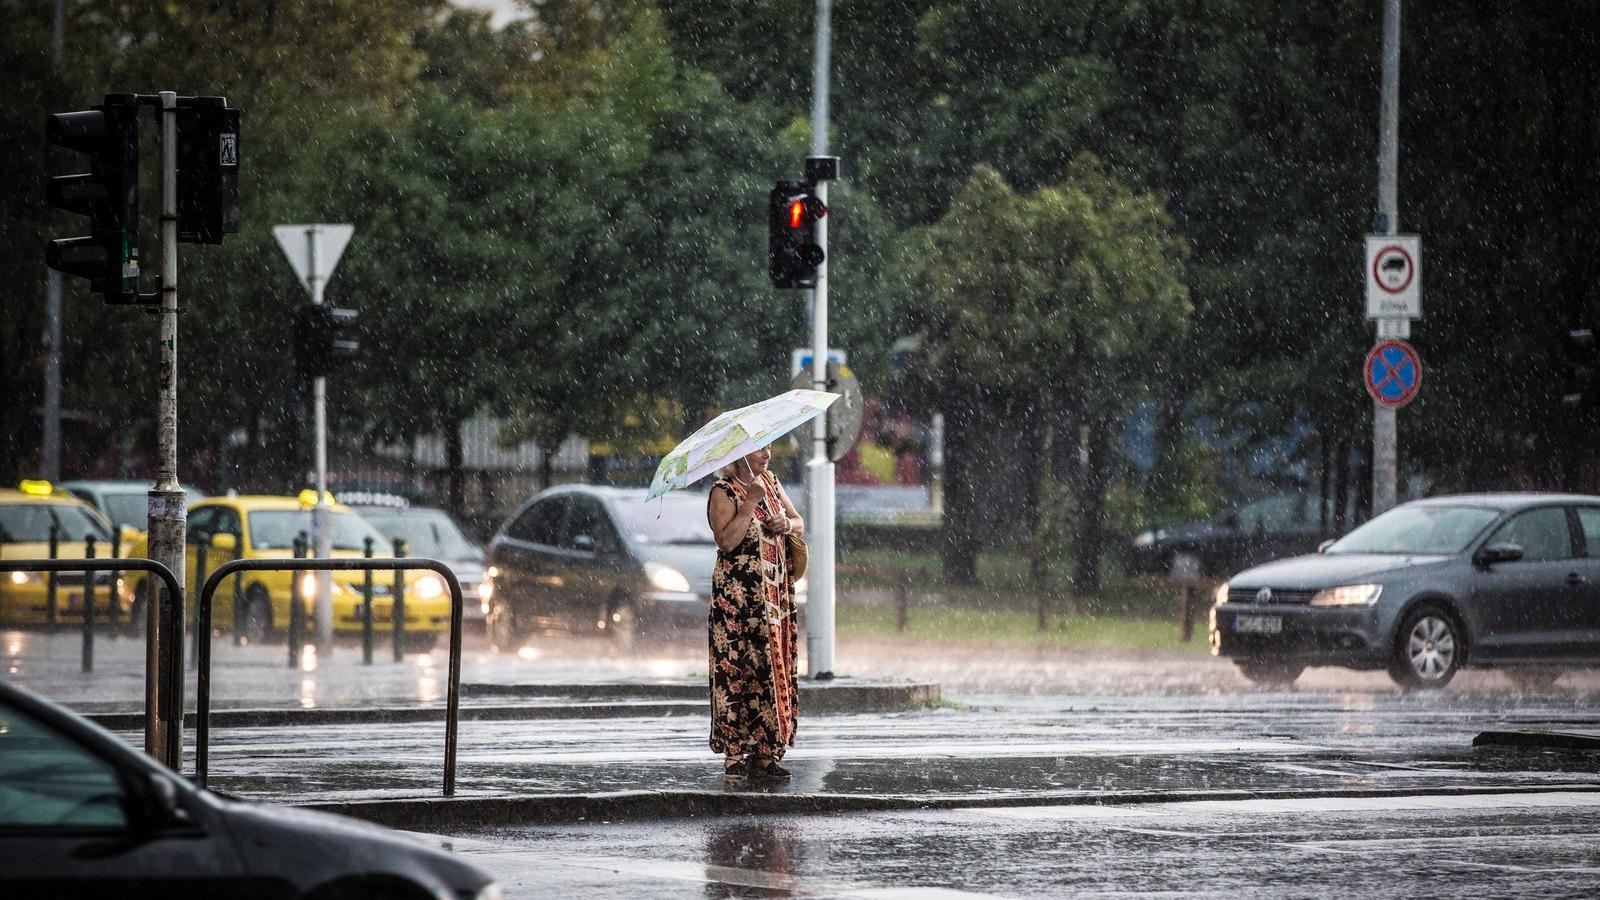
(314, 251)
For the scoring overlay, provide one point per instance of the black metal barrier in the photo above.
(169, 707)
(202, 729)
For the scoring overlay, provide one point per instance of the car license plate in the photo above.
(1258, 624)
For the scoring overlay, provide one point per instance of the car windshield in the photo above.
(276, 529)
(128, 509)
(673, 519)
(30, 523)
(431, 534)
(1420, 530)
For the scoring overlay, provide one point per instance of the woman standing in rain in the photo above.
(754, 698)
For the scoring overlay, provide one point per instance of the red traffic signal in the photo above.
(794, 244)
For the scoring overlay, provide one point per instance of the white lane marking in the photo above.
(501, 859)
(1461, 802)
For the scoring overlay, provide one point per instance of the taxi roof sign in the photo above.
(308, 498)
(38, 487)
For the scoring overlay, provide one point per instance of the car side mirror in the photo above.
(224, 542)
(1499, 553)
(583, 542)
(1323, 547)
(154, 803)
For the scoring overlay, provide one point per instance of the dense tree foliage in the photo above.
(1087, 211)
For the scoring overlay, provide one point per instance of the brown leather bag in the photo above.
(799, 555)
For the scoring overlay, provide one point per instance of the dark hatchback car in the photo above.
(84, 815)
(1270, 527)
(601, 560)
(1509, 581)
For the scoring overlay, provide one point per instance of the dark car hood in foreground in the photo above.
(313, 847)
(1321, 570)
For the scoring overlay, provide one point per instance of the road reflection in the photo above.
(751, 859)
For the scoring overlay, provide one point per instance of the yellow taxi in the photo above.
(264, 527)
(27, 515)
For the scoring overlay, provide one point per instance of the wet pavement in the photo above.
(1521, 845)
(1045, 771)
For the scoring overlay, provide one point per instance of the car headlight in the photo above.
(26, 577)
(486, 591)
(429, 587)
(308, 586)
(1348, 595)
(1144, 539)
(1220, 596)
(666, 578)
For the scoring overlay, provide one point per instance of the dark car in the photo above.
(601, 560)
(1508, 581)
(1272, 527)
(84, 815)
(432, 533)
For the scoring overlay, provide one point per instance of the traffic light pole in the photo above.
(167, 509)
(321, 538)
(820, 543)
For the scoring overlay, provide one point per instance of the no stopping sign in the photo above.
(1393, 373)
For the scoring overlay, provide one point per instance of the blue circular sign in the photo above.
(1393, 373)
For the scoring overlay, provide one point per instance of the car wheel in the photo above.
(420, 641)
(1533, 678)
(501, 627)
(256, 624)
(1427, 649)
(621, 622)
(1270, 672)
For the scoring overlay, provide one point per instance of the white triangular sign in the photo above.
(298, 242)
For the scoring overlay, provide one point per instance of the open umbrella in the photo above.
(736, 433)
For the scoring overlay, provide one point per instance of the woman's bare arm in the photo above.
(797, 525)
(730, 520)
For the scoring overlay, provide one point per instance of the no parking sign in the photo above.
(1393, 373)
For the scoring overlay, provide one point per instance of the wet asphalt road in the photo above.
(1049, 727)
(1529, 845)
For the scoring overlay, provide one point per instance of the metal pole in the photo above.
(52, 304)
(167, 509)
(88, 607)
(1385, 428)
(819, 612)
(321, 538)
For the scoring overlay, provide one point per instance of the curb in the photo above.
(444, 814)
(1540, 740)
(610, 701)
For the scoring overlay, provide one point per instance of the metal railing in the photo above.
(164, 716)
(295, 566)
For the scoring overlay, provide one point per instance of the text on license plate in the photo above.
(1258, 624)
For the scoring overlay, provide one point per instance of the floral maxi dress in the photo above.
(753, 643)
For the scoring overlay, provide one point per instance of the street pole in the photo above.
(321, 538)
(52, 304)
(1385, 428)
(820, 612)
(167, 509)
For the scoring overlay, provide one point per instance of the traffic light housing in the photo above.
(208, 170)
(325, 338)
(794, 247)
(108, 194)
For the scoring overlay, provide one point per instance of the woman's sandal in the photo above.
(737, 770)
(770, 769)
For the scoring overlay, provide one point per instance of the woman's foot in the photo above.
(769, 769)
(735, 770)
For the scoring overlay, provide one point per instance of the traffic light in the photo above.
(208, 170)
(108, 194)
(1583, 374)
(794, 249)
(325, 338)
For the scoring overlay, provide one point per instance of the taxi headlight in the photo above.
(486, 591)
(1348, 595)
(429, 587)
(666, 578)
(26, 577)
(1221, 595)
